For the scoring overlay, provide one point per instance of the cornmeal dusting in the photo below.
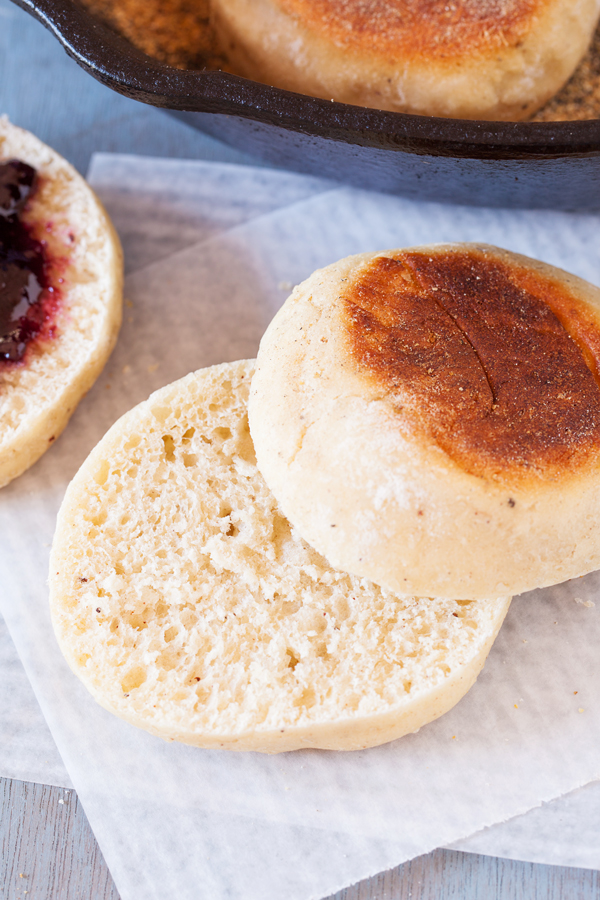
(580, 97)
(176, 32)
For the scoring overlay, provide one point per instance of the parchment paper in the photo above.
(483, 762)
(27, 749)
(161, 206)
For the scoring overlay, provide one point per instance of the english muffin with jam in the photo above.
(498, 59)
(61, 275)
(429, 418)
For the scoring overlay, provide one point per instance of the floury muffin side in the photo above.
(189, 606)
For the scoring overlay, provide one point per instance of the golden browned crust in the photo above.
(496, 363)
(419, 28)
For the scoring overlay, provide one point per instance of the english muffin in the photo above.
(429, 419)
(61, 273)
(498, 59)
(188, 605)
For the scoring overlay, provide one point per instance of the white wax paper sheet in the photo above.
(517, 740)
(159, 206)
(565, 832)
(27, 750)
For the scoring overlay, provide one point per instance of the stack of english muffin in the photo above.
(319, 550)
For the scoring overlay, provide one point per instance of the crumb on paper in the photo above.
(285, 286)
(129, 304)
(581, 709)
(153, 367)
(126, 369)
(587, 603)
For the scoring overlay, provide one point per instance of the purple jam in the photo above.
(22, 264)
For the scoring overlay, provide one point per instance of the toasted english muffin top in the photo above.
(420, 28)
(495, 362)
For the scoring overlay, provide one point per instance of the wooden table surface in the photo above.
(48, 851)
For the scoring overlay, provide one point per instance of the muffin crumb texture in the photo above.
(187, 603)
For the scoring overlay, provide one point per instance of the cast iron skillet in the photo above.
(546, 164)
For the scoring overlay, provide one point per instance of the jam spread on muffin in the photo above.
(25, 293)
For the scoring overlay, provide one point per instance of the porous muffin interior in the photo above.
(187, 603)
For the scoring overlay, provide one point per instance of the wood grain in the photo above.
(47, 849)
(48, 852)
(450, 875)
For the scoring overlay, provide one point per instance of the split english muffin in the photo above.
(189, 606)
(61, 273)
(429, 419)
(498, 59)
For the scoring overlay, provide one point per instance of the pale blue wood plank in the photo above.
(45, 91)
(50, 843)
